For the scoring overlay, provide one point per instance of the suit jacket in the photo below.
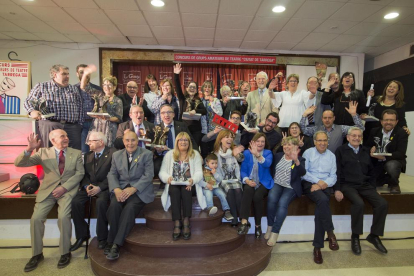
(253, 105)
(139, 175)
(296, 173)
(231, 106)
(320, 108)
(181, 127)
(398, 145)
(119, 144)
(264, 169)
(97, 175)
(46, 157)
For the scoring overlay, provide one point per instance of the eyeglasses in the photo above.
(293, 81)
(235, 118)
(271, 122)
(183, 140)
(322, 141)
(132, 87)
(167, 112)
(192, 87)
(90, 141)
(355, 136)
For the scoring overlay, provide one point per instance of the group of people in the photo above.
(306, 142)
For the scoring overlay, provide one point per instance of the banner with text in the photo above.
(224, 59)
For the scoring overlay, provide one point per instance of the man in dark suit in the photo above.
(97, 164)
(396, 141)
(130, 182)
(63, 171)
(167, 120)
(137, 125)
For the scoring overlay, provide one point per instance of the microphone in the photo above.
(369, 97)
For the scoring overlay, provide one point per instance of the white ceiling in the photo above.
(350, 26)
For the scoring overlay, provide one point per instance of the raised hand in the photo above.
(294, 153)
(352, 108)
(284, 134)
(253, 148)
(279, 75)
(371, 93)
(309, 110)
(272, 85)
(331, 82)
(141, 101)
(34, 142)
(301, 143)
(177, 68)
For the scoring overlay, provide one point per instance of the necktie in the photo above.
(310, 118)
(61, 162)
(130, 158)
(170, 142)
(97, 159)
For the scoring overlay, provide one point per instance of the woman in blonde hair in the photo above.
(181, 169)
(108, 125)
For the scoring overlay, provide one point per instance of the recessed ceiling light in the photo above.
(391, 15)
(278, 9)
(157, 3)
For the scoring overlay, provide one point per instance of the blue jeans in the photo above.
(278, 202)
(220, 194)
(85, 130)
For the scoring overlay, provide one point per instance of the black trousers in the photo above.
(206, 148)
(356, 193)
(157, 164)
(180, 196)
(74, 132)
(393, 170)
(78, 215)
(323, 215)
(121, 217)
(256, 195)
(197, 135)
(234, 199)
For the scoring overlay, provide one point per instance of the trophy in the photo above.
(98, 108)
(370, 117)
(187, 115)
(143, 136)
(40, 105)
(160, 136)
(250, 121)
(381, 150)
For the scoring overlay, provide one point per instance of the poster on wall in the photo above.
(15, 85)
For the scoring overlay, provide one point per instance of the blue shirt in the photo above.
(320, 166)
(356, 150)
(57, 151)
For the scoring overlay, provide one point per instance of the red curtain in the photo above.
(219, 74)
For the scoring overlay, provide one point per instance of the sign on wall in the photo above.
(207, 58)
(15, 79)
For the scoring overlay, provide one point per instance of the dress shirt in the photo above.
(356, 150)
(57, 151)
(65, 102)
(293, 106)
(138, 127)
(320, 166)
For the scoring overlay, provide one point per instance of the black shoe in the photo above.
(375, 240)
(113, 253)
(34, 261)
(243, 229)
(107, 248)
(355, 246)
(176, 236)
(64, 260)
(187, 235)
(78, 244)
(102, 244)
(234, 222)
(258, 232)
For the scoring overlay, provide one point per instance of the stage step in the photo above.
(249, 259)
(4, 177)
(147, 242)
(158, 219)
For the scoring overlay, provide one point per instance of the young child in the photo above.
(212, 178)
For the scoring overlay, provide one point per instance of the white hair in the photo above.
(262, 73)
(354, 128)
(99, 136)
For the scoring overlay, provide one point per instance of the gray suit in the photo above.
(320, 108)
(121, 215)
(72, 175)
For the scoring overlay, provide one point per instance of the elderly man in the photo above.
(167, 120)
(317, 182)
(137, 124)
(63, 171)
(394, 140)
(130, 98)
(258, 101)
(62, 99)
(130, 182)
(87, 93)
(336, 133)
(97, 164)
(356, 181)
(316, 117)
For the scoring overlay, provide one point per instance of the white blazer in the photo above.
(196, 170)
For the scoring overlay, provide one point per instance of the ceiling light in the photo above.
(279, 9)
(391, 15)
(157, 3)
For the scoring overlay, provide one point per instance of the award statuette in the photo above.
(98, 108)
(160, 136)
(187, 115)
(381, 150)
(40, 105)
(143, 137)
(250, 121)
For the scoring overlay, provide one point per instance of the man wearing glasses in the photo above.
(235, 118)
(97, 164)
(130, 98)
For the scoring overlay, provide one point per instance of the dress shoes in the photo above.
(356, 246)
(234, 222)
(78, 244)
(375, 240)
(107, 248)
(333, 244)
(243, 229)
(186, 233)
(258, 232)
(113, 252)
(64, 260)
(102, 244)
(317, 256)
(395, 190)
(34, 261)
(176, 236)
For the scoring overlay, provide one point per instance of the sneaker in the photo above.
(212, 210)
(228, 216)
